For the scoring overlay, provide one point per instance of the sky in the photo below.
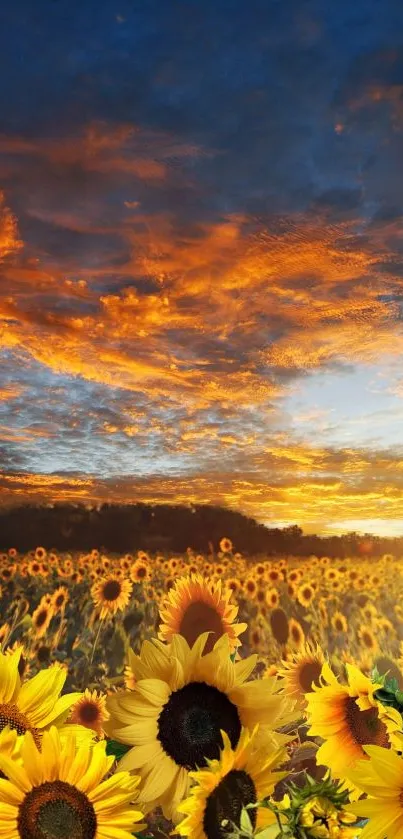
(201, 257)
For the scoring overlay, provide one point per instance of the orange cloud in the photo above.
(106, 149)
(9, 242)
(288, 496)
(209, 322)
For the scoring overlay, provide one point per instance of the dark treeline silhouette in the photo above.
(170, 528)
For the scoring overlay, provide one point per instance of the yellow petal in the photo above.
(137, 757)
(9, 676)
(162, 775)
(38, 695)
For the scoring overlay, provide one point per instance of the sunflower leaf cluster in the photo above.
(296, 816)
(389, 692)
(326, 788)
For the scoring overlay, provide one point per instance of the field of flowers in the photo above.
(211, 697)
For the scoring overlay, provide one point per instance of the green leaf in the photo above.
(246, 824)
(116, 749)
(376, 677)
(270, 832)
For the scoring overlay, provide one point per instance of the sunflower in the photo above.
(301, 670)
(59, 792)
(41, 619)
(34, 568)
(60, 598)
(239, 777)
(386, 626)
(226, 545)
(305, 594)
(348, 717)
(370, 612)
(140, 571)
(367, 639)
(380, 776)
(297, 634)
(194, 605)
(40, 554)
(233, 586)
(8, 573)
(36, 704)
(294, 575)
(180, 701)
(111, 595)
(273, 574)
(90, 711)
(339, 622)
(250, 587)
(272, 598)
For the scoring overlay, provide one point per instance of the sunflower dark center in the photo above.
(59, 600)
(368, 640)
(225, 804)
(201, 617)
(88, 712)
(11, 715)
(365, 726)
(309, 672)
(41, 618)
(43, 654)
(56, 810)
(111, 590)
(190, 722)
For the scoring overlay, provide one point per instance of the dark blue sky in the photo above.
(201, 242)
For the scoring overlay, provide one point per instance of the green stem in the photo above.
(95, 643)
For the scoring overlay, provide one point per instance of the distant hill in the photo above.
(168, 528)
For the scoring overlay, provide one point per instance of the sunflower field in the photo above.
(209, 697)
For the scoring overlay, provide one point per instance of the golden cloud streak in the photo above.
(210, 317)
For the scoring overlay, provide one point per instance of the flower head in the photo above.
(194, 605)
(33, 705)
(59, 792)
(180, 702)
(111, 594)
(240, 776)
(348, 717)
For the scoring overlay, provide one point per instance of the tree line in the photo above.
(127, 528)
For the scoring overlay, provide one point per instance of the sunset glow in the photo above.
(201, 261)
